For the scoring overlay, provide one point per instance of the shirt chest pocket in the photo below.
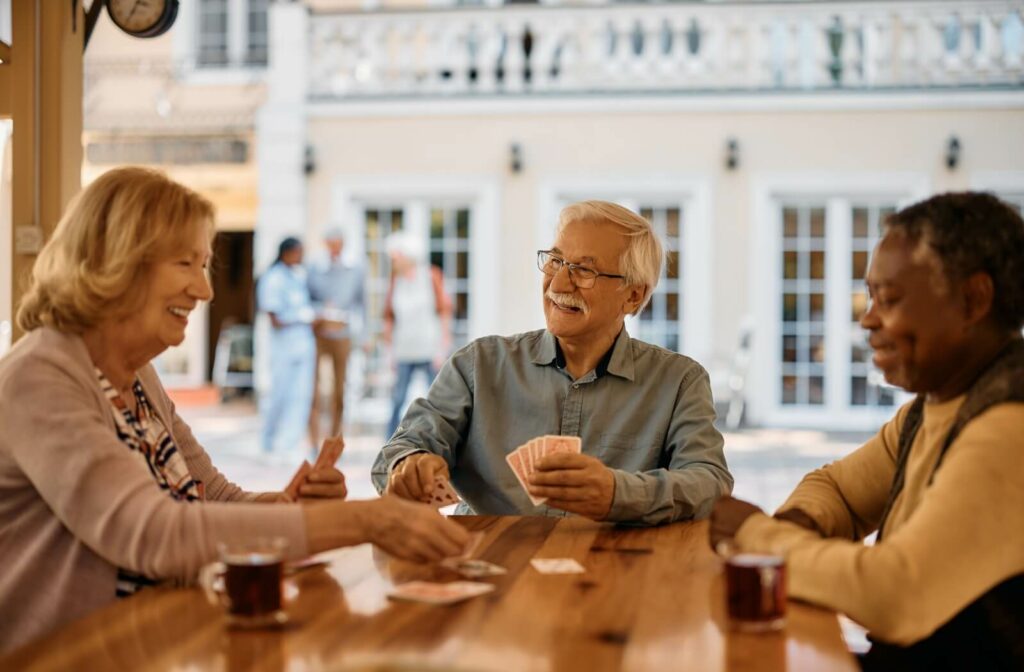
(609, 442)
(627, 451)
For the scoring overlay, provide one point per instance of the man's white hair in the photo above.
(644, 255)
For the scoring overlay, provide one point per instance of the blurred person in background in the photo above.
(942, 482)
(417, 318)
(283, 293)
(103, 488)
(338, 291)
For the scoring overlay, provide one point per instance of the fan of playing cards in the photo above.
(329, 454)
(523, 460)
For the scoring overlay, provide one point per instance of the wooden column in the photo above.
(41, 91)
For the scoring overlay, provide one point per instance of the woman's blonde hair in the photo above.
(95, 265)
(644, 255)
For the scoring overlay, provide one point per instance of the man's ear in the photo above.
(634, 297)
(978, 292)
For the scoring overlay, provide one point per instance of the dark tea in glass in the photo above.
(252, 584)
(247, 582)
(756, 591)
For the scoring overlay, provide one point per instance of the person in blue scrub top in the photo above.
(283, 293)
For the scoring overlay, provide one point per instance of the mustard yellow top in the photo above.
(945, 544)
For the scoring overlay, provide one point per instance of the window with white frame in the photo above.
(379, 223)
(449, 251)
(212, 40)
(660, 320)
(257, 42)
(803, 304)
(824, 360)
(231, 32)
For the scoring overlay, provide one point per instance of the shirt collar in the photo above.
(618, 361)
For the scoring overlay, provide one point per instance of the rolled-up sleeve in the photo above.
(696, 474)
(436, 424)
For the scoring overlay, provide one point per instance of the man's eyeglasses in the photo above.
(581, 276)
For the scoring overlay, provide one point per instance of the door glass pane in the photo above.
(661, 321)
(865, 381)
(213, 33)
(803, 272)
(450, 229)
(378, 277)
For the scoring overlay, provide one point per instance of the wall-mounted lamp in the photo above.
(309, 160)
(515, 158)
(952, 152)
(732, 154)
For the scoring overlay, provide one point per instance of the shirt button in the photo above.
(575, 386)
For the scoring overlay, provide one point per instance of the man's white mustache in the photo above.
(570, 300)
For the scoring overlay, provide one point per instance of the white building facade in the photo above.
(766, 141)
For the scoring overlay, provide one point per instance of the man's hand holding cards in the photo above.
(423, 477)
(321, 479)
(524, 460)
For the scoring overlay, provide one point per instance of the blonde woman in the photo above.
(103, 488)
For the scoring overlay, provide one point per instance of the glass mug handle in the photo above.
(211, 579)
(768, 577)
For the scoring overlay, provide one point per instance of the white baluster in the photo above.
(490, 43)
(514, 61)
(710, 64)
(985, 51)
(545, 42)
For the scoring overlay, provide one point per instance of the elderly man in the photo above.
(650, 451)
(942, 482)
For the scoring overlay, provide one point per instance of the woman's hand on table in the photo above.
(413, 531)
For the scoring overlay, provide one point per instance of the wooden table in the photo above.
(651, 599)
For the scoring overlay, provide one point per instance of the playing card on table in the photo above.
(292, 489)
(557, 566)
(474, 568)
(443, 494)
(330, 451)
(439, 593)
(515, 462)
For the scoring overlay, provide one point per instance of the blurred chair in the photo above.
(738, 375)
(232, 361)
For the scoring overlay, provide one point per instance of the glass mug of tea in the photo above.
(756, 591)
(248, 581)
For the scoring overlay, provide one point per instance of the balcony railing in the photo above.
(668, 48)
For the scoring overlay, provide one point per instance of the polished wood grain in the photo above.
(651, 599)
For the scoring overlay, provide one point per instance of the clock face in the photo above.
(143, 18)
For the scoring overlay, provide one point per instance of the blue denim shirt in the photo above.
(648, 416)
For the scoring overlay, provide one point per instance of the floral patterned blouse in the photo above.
(144, 434)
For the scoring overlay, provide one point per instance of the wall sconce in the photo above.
(952, 152)
(515, 158)
(732, 154)
(309, 160)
